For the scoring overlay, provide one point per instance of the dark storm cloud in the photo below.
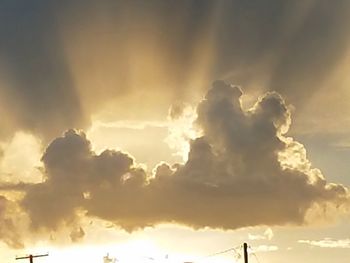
(241, 172)
(292, 44)
(314, 51)
(39, 93)
(297, 44)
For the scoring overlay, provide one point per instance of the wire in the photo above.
(256, 257)
(234, 249)
(222, 252)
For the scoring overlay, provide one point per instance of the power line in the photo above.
(234, 249)
(223, 252)
(238, 254)
(255, 256)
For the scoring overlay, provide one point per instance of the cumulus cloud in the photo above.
(76, 179)
(242, 170)
(234, 176)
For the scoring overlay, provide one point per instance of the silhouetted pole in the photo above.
(31, 257)
(245, 250)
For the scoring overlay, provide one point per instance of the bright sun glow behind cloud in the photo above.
(168, 140)
(21, 159)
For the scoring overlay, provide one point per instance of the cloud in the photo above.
(130, 137)
(77, 234)
(268, 234)
(266, 248)
(256, 237)
(278, 46)
(328, 243)
(9, 233)
(20, 160)
(234, 175)
(282, 44)
(38, 80)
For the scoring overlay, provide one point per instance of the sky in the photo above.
(172, 131)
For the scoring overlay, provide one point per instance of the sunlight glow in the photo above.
(21, 159)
